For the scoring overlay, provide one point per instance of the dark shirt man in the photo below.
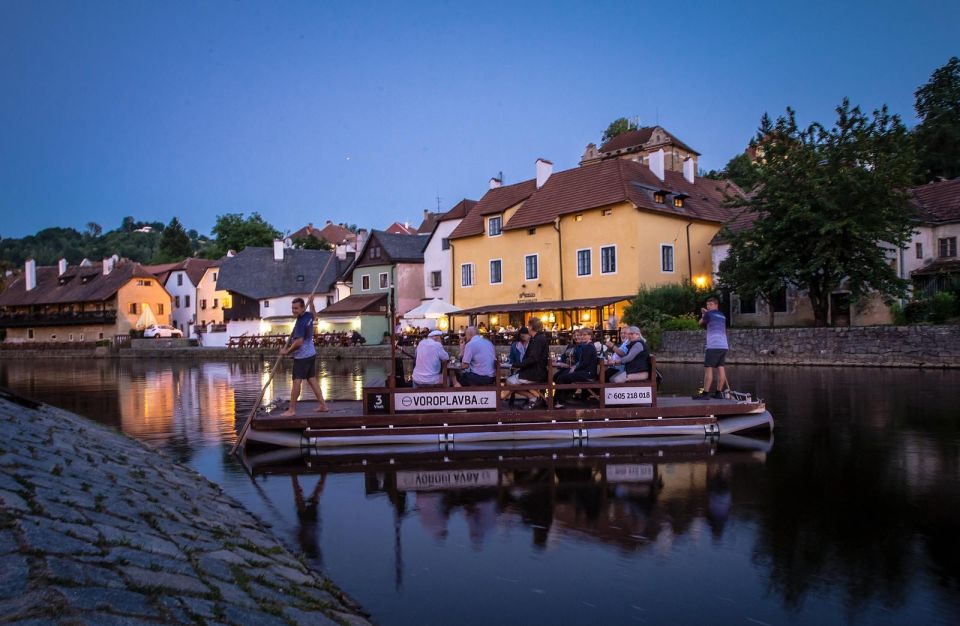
(304, 355)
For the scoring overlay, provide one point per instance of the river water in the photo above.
(849, 513)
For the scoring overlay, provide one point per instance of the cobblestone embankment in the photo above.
(96, 528)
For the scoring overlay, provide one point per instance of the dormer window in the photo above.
(374, 252)
(494, 226)
(659, 197)
(678, 202)
(578, 217)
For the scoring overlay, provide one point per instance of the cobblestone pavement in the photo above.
(96, 528)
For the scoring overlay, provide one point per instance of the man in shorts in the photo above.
(304, 355)
(716, 324)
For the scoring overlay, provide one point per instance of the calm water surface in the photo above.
(849, 513)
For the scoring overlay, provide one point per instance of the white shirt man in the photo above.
(430, 356)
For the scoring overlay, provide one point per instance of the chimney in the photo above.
(107, 265)
(656, 163)
(278, 250)
(688, 172)
(544, 169)
(61, 267)
(30, 274)
(231, 253)
(495, 183)
(426, 214)
(361, 239)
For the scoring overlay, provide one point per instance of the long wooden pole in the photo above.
(242, 437)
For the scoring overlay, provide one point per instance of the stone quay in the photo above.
(97, 528)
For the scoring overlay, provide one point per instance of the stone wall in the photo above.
(869, 346)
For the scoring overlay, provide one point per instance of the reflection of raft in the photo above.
(458, 416)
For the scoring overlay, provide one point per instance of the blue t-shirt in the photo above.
(716, 330)
(304, 328)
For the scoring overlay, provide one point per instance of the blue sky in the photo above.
(366, 112)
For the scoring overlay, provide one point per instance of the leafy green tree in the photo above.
(174, 244)
(618, 126)
(311, 243)
(740, 169)
(128, 224)
(233, 232)
(749, 271)
(826, 199)
(938, 134)
(94, 230)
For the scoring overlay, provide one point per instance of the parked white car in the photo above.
(161, 330)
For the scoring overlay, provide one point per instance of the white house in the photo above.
(437, 259)
(182, 281)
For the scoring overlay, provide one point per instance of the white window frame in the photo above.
(589, 251)
(367, 277)
(499, 219)
(673, 258)
(490, 270)
(383, 280)
(473, 275)
(536, 255)
(616, 260)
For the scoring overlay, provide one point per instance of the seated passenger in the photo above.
(519, 346)
(533, 367)
(634, 359)
(584, 368)
(480, 358)
(430, 357)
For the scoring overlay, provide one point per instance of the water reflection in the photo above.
(851, 516)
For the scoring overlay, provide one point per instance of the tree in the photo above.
(233, 232)
(311, 243)
(128, 224)
(94, 230)
(827, 201)
(742, 171)
(618, 126)
(748, 269)
(174, 244)
(938, 134)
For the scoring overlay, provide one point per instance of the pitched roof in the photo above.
(78, 284)
(494, 201)
(398, 248)
(938, 202)
(459, 211)
(430, 219)
(331, 233)
(741, 221)
(254, 273)
(400, 229)
(635, 139)
(161, 271)
(619, 180)
(356, 304)
(194, 268)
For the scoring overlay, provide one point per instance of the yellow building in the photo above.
(83, 303)
(572, 245)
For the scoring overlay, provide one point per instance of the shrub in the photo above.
(898, 314)
(916, 311)
(942, 306)
(658, 304)
(684, 322)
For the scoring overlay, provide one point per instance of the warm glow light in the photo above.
(324, 326)
(494, 319)
(700, 281)
(442, 323)
(586, 316)
(355, 323)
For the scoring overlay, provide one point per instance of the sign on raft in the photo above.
(446, 401)
(629, 473)
(427, 481)
(628, 395)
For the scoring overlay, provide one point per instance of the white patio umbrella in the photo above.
(147, 318)
(435, 309)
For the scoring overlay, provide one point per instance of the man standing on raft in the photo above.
(304, 355)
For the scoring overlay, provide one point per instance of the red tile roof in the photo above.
(459, 211)
(331, 233)
(400, 229)
(619, 180)
(78, 284)
(938, 202)
(494, 201)
(638, 138)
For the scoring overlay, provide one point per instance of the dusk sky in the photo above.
(366, 112)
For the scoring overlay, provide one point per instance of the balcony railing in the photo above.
(20, 320)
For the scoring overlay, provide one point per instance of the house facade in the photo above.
(82, 303)
(437, 256)
(261, 284)
(594, 234)
(386, 261)
(182, 283)
(640, 144)
(931, 259)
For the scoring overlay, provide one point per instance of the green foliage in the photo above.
(311, 243)
(174, 244)
(233, 232)
(937, 136)
(683, 322)
(742, 170)
(618, 126)
(664, 302)
(942, 307)
(825, 198)
(916, 311)
(898, 314)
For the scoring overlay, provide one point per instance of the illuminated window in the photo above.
(658, 196)
(678, 202)
(578, 217)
